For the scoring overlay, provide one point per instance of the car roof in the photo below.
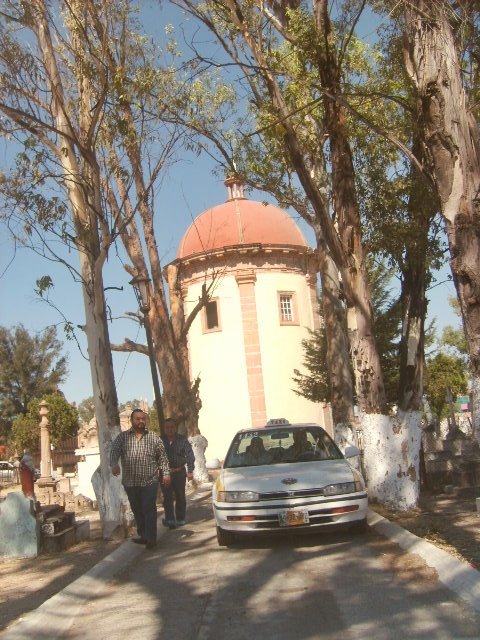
(278, 425)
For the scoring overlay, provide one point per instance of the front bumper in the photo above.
(259, 516)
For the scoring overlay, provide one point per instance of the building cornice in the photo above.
(244, 249)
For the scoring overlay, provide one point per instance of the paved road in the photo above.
(283, 588)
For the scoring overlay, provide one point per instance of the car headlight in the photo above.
(343, 487)
(237, 496)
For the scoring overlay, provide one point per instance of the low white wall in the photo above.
(86, 467)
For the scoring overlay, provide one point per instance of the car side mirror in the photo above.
(351, 451)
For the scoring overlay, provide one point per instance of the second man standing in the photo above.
(182, 462)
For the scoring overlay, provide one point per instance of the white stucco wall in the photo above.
(281, 346)
(86, 468)
(218, 357)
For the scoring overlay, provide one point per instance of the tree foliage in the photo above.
(444, 372)
(31, 366)
(453, 340)
(315, 384)
(86, 410)
(290, 61)
(53, 98)
(62, 418)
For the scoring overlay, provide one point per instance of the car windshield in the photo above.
(277, 446)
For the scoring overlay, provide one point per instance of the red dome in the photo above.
(239, 221)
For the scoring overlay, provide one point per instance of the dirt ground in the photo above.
(447, 521)
(28, 582)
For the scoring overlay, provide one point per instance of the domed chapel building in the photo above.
(245, 344)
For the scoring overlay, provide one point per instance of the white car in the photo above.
(287, 477)
(7, 471)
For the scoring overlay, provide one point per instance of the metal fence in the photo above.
(63, 455)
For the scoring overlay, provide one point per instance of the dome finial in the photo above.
(234, 188)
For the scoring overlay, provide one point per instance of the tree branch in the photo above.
(129, 346)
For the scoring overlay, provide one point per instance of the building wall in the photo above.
(281, 346)
(219, 357)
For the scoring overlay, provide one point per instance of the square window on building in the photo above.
(211, 317)
(287, 305)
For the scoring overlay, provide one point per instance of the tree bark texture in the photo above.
(392, 458)
(344, 245)
(413, 292)
(180, 396)
(85, 217)
(342, 234)
(452, 147)
(338, 357)
(365, 356)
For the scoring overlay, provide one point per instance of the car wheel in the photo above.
(360, 526)
(224, 538)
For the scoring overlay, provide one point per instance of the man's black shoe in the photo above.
(151, 545)
(169, 524)
(139, 540)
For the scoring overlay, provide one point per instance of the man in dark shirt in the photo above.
(143, 456)
(180, 453)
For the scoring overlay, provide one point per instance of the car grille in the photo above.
(266, 521)
(281, 495)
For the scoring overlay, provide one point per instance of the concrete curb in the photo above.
(54, 617)
(455, 574)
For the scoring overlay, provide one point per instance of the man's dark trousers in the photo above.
(143, 502)
(176, 491)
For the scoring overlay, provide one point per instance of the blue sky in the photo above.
(189, 188)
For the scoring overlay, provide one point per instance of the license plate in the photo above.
(293, 518)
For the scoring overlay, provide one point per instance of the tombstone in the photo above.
(70, 502)
(88, 434)
(82, 503)
(19, 527)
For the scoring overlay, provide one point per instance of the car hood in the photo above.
(267, 478)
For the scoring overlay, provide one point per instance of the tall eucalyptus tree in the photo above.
(53, 112)
(433, 34)
(292, 60)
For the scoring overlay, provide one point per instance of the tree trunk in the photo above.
(416, 277)
(91, 262)
(391, 446)
(391, 458)
(452, 147)
(189, 404)
(365, 357)
(338, 358)
(167, 322)
(108, 489)
(180, 396)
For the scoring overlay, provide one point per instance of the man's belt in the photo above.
(175, 469)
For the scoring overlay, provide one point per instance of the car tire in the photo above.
(224, 538)
(360, 526)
